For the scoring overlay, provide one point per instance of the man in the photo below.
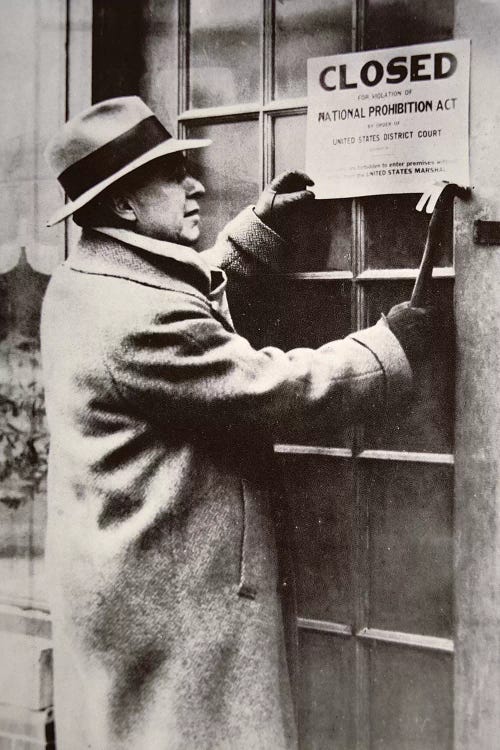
(161, 535)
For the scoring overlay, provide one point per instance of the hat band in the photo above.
(113, 156)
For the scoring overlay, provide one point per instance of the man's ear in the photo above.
(123, 207)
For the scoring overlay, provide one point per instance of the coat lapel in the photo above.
(164, 265)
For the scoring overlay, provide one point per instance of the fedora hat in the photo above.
(105, 142)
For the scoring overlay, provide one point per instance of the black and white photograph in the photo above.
(249, 375)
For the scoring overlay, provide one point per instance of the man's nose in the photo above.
(193, 187)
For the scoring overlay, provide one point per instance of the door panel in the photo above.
(289, 142)
(372, 507)
(410, 699)
(229, 170)
(295, 313)
(395, 233)
(410, 546)
(302, 30)
(224, 52)
(426, 423)
(392, 23)
(327, 692)
(322, 239)
(319, 492)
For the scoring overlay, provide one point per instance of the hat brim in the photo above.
(172, 146)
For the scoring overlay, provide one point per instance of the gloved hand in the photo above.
(414, 327)
(279, 201)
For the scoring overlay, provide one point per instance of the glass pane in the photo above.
(311, 313)
(320, 494)
(410, 546)
(159, 74)
(323, 235)
(426, 422)
(224, 52)
(312, 29)
(393, 23)
(326, 692)
(291, 313)
(395, 233)
(411, 701)
(229, 170)
(289, 142)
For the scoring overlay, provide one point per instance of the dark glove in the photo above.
(414, 327)
(279, 203)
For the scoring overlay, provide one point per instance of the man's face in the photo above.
(165, 203)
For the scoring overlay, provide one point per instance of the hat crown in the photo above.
(103, 144)
(93, 128)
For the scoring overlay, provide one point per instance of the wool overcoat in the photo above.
(161, 553)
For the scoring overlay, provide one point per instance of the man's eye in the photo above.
(180, 173)
(183, 170)
(192, 169)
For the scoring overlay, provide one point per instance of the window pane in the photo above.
(224, 52)
(323, 233)
(326, 692)
(293, 312)
(426, 422)
(288, 313)
(411, 702)
(320, 494)
(303, 30)
(229, 170)
(395, 233)
(159, 75)
(289, 142)
(393, 23)
(411, 546)
(311, 313)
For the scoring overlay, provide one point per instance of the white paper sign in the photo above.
(388, 121)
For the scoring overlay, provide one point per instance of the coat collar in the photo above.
(103, 250)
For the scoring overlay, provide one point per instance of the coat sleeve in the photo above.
(247, 246)
(248, 251)
(182, 366)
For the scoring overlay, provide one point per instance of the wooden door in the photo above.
(372, 507)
